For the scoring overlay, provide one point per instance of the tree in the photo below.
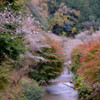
(53, 6)
(73, 31)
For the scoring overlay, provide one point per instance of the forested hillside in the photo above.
(87, 8)
(69, 17)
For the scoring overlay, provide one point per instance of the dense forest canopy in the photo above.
(86, 7)
(80, 15)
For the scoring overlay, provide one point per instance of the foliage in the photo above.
(18, 96)
(90, 61)
(49, 70)
(86, 61)
(32, 91)
(11, 46)
(53, 6)
(82, 87)
(12, 4)
(64, 20)
(55, 45)
(11, 43)
(26, 90)
(79, 12)
(75, 56)
(54, 62)
(84, 6)
(4, 75)
(95, 95)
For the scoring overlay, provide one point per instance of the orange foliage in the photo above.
(90, 61)
(57, 48)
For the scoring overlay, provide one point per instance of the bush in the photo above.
(32, 91)
(11, 46)
(82, 87)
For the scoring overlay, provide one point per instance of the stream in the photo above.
(61, 88)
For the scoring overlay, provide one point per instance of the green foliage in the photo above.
(68, 28)
(81, 86)
(4, 76)
(14, 5)
(79, 81)
(75, 56)
(84, 14)
(53, 6)
(3, 5)
(11, 46)
(19, 96)
(32, 91)
(86, 7)
(50, 69)
(64, 20)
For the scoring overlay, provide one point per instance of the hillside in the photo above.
(70, 17)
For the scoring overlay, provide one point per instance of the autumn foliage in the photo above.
(57, 47)
(88, 62)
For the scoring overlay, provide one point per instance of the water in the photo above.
(61, 90)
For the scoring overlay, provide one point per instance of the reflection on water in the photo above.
(61, 90)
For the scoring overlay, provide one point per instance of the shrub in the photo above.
(19, 96)
(82, 87)
(11, 46)
(32, 91)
